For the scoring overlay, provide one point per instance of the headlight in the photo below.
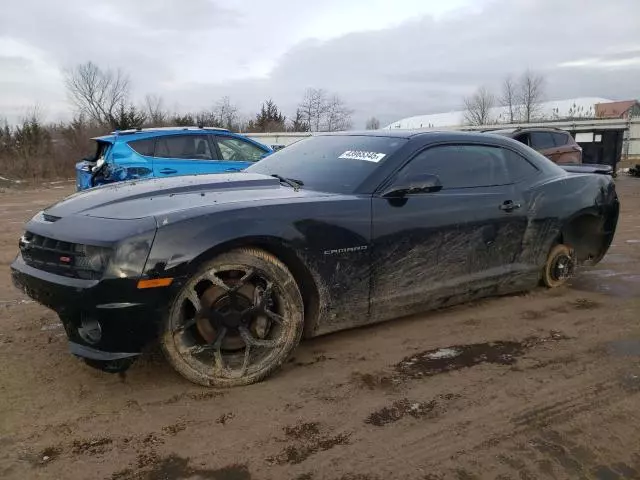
(130, 256)
(91, 261)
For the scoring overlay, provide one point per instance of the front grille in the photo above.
(64, 258)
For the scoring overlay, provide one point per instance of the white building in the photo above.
(574, 107)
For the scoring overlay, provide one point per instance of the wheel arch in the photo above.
(284, 252)
(584, 233)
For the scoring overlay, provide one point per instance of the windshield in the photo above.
(335, 164)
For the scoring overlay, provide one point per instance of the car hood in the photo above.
(160, 197)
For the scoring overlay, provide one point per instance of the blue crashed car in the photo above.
(164, 152)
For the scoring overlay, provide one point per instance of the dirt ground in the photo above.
(538, 386)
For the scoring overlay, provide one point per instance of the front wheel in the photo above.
(235, 320)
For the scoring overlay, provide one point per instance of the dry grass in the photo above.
(33, 152)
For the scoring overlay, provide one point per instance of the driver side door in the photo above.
(447, 246)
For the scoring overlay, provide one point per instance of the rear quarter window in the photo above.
(541, 140)
(143, 147)
(518, 167)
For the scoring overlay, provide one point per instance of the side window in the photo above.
(560, 139)
(188, 147)
(234, 149)
(541, 140)
(518, 167)
(461, 166)
(143, 147)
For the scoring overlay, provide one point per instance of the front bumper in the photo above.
(128, 318)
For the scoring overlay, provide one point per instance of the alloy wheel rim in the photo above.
(230, 321)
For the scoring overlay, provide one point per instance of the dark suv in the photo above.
(555, 144)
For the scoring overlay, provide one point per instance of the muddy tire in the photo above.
(559, 266)
(235, 321)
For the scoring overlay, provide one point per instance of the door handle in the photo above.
(168, 171)
(232, 170)
(509, 206)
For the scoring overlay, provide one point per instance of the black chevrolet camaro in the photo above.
(229, 272)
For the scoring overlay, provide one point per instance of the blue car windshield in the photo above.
(332, 163)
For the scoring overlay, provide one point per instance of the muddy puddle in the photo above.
(433, 362)
(400, 409)
(305, 440)
(442, 360)
(405, 408)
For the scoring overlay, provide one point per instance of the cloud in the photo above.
(415, 58)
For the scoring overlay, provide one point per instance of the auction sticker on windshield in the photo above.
(361, 155)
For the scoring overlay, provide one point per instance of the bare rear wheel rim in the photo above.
(230, 321)
(561, 267)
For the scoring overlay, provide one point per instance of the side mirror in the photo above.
(422, 183)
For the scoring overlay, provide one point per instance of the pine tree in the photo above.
(270, 119)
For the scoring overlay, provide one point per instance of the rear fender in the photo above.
(123, 163)
(590, 232)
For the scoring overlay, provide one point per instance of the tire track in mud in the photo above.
(548, 407)
(565, 409)
(498, 427)
(555, 455)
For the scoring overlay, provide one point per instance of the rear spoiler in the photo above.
(588, 168)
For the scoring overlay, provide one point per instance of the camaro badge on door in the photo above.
(345, 250)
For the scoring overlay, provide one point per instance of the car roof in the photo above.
(166, 129)
(508, 131)
(142, 133)
(431, 134)
(400, 133)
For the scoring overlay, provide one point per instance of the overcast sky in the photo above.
(390, 59)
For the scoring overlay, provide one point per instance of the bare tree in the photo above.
(320, 112)
(509, 99)
(226, 113)
(337, 116)
(314, 107)
(372, 124)
(155, 111)
(478, 107)
(531, 94)
(97, 93)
